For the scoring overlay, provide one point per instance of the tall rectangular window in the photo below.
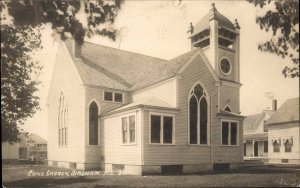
(229, 133)
(233, 134)
(266, 146)
(155, 129)
(161, 129)
(124, 129)
(225, 133)
(168, 130)
(276, 147)
(132, 128)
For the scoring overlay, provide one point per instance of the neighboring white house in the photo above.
(284, 133)
(113, 109)
(256, 134)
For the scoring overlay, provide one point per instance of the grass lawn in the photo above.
(18, 176)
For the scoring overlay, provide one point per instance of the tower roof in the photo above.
(213, 14)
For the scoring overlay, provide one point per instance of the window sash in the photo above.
(229, 133)
(132, 128)
(124, 130)
(108, 96)
(161, 129)
(266, 146)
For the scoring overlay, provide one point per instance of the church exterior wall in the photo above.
(93, 153)
(286, 130)
(116, 153)
(230, 96)
(65, 79)
(165, 91)
(181, 153)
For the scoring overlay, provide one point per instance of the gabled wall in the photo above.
(165, 91)
(66, 79)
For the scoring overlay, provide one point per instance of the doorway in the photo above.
(256, 149)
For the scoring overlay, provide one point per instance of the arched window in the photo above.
(62, 121)
(227, 109)
(93, 124)
(198, 116)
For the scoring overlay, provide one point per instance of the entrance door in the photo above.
(255, 148)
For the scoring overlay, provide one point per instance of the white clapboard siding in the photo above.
(66, 79)
(165, 91)
(282, 131)
(114, 151)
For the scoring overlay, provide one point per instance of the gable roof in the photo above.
(151, 102)
(251, 122)
(30, 138)
(288, 112)
(119, 69)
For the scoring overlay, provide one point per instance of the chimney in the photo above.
(274, 104)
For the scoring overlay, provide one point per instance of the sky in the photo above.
(159, 29)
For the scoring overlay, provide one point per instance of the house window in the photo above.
(162, 129)
(128, 129)
(198, 116)
(124, 130)
(276, 146)
(288, 145)
(118, 97)
(132, 128)
(229, 133)
(62, 122)
(93, 124)
(108, 96)
(266, 146)
(113, 96)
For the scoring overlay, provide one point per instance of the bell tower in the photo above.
(219, 39)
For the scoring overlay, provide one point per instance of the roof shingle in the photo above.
(289, 111)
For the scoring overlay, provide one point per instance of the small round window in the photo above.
(225, 66)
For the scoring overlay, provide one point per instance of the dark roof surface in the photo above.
(118, 69)
(288, 111)
(251, 122)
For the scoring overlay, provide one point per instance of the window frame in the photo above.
(279, 146)
(128, 143)
(285, 148)
(113, 96)
(98, 123)
(229, 132)
(230, 66)
(206, 96)
(162, 115)
(266, 146)
(62, 121)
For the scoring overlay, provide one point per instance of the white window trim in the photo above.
(63, 121)
(229, 133)
(230, 64)
(113, 97)
(162, 129)
(206, 96)
(128, 143)
(88, 123)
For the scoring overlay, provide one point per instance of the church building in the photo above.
(112, 109)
